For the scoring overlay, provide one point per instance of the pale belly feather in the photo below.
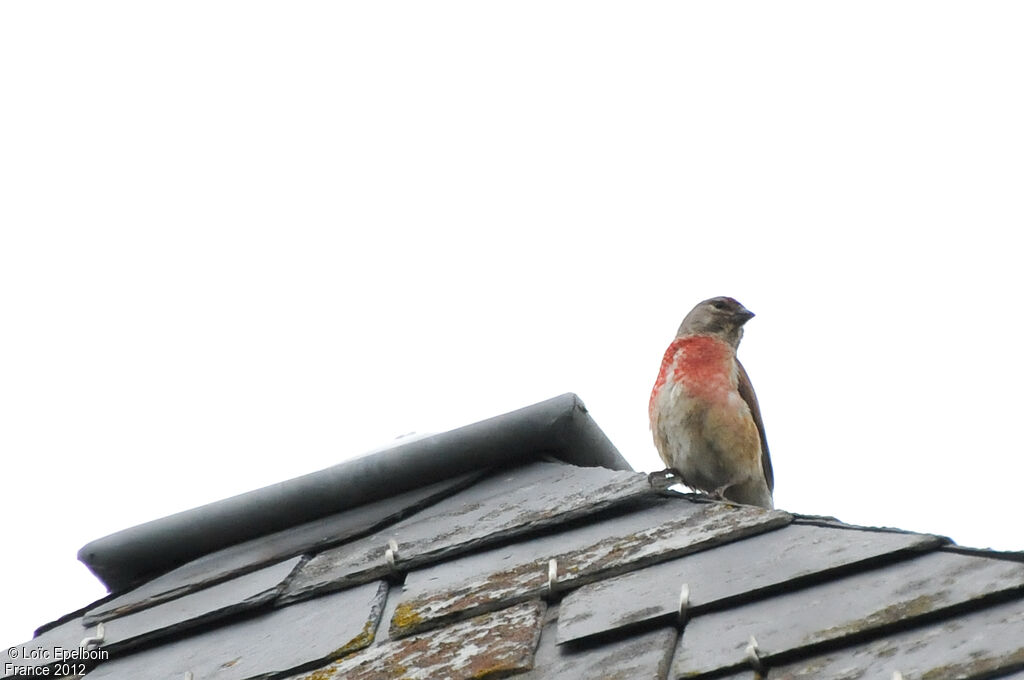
(713, 443)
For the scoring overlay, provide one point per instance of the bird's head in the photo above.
(721, 317)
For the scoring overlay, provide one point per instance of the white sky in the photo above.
(242, 241)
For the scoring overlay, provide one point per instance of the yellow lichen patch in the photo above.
(364, 639)
(494, 671)
(325, 673)
(405, 617)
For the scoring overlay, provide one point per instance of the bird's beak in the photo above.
(744, 315)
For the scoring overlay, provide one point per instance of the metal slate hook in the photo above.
(684, 603)
(391, 554)
(94, 641)
(753, 655)
(552, 576)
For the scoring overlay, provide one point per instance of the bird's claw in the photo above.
(663, 479)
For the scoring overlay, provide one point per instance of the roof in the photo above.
(525, 546)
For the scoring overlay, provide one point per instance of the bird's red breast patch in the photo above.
(700, 362)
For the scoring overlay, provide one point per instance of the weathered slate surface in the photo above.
(276, 642)
(965, 647)
(242, 593)
(249, 555)
(508, 504)
(498, 577)
(732, 571)
(852, 605)
(494, 645)
(42, 650)
(639, 657)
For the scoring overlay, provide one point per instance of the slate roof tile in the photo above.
(972, 646)
(247, 592)
(644, 656)
(275, 642)
(784, 558)
(851, 606)
(492, 645)
(508, 504)
(664, 529)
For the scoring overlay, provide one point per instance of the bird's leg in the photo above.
(662, 479)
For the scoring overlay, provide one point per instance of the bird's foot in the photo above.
(663, 479)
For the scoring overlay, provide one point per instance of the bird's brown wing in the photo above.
(747, 392)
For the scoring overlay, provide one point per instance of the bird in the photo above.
(704, 414)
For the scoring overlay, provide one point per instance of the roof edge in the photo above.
(560, 426)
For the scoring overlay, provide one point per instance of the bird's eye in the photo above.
(718, 304)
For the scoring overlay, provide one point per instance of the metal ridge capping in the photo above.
(560, 427)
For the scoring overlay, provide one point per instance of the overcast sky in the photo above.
(243, 241)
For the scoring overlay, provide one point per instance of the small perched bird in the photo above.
(704, 414)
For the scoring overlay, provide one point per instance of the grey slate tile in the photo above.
(272, 643)
(383, 633)
(982, 644)
(243, 557)
(505, 505)
(495, 578)
(638, 657)
(848, 606)
(726, 573)
(44, 649)
(494, 645)
(228, 598)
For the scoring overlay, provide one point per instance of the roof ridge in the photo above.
(560, 426)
